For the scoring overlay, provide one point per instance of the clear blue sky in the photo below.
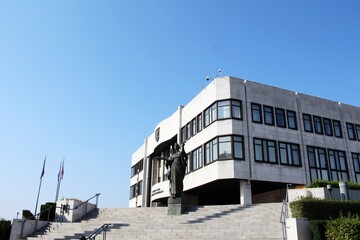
(89, 80)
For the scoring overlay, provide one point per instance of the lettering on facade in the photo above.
(156, 191)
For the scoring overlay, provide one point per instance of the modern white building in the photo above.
(246, 141)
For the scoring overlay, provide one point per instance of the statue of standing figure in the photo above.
(177, 164)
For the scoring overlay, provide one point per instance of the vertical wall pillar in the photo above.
(245, 192)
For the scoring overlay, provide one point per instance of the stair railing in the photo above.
(102, 230)
(66, 208)
(284, 212)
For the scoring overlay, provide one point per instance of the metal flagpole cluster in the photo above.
(60, 177)
(41, 176)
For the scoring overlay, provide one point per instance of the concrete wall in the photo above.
(23, 228)
(76, 210)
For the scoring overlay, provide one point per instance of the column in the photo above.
(245, 192)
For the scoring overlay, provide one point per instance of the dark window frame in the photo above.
(318, 167)
(338, 132)
(318, 125)
(269, 113)
(327, 126)
(350, 129)
(280, 116)
(336, 165)
(307, 121)
(236, 104)
(265, 151)
(256, 109)
(291, 119)
(290, 150)
(356, 163)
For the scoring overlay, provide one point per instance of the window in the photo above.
(135, 190)
(338, 167)
(194, 127)
(317, 163)
(138, 167)
(337, 128)
(236, 109)
(256, 113)
(357, 129)
(211, 151)
(188, 131)
(289, 154)
(183, 134)
(318, 125)
(351, 131)
(199, 122)
(207, 117)
(213, 113)
(269, 115)
(265, 150)
(225, 147)
(291, 119)
(196, 159)
(327, 127)
(210, 114)
(224, 109)
(280, 117)
(307, 123)
(356, 161)
(238, 147)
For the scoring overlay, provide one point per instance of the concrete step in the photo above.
(259, 221)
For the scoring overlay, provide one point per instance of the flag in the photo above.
(61, 171)
(43, 169)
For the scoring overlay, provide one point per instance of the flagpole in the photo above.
(57, 191)
(42, 174)
(60, 176)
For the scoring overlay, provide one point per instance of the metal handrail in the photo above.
(102, 229)
(96, 195)
(284, 212)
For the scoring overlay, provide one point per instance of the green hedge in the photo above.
(319, 209)
(334, 184)
(49, 214)
(5, 229)
(345, 228)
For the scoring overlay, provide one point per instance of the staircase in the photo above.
(258, 221)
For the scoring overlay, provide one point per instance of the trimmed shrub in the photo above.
(319, 209)
(48, 211)
(345, 228)
(5, 229)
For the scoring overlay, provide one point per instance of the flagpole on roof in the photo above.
(41, 176)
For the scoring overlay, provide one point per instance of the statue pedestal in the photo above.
(174, 206)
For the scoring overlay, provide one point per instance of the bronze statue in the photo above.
(177, 163)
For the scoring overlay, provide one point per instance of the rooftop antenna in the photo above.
(219, 73)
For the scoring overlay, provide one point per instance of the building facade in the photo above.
(245, 142)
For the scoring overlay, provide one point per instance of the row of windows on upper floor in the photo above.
(268, 115)
(232, 147)
(329, 164)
